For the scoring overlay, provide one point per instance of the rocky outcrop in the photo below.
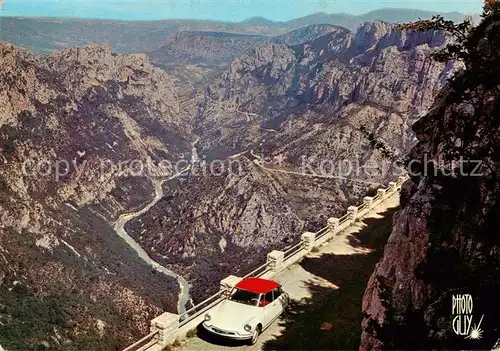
(198, 57)
(445, 243)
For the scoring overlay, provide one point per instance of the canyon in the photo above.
(293, 108)
(260, 117)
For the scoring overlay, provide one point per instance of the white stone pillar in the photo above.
(167, 325)
(275, 260)
(381, 193)
(368, 201)
(393, 186)
(229, 283)
(352, 211)
(308, 241)
(333, 224)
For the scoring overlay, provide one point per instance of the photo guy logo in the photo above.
(462, 321)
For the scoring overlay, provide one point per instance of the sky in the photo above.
(223, 10)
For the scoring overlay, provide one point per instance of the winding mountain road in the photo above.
(297, 281)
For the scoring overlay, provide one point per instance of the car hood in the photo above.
(232, 315)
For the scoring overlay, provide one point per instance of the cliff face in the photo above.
(46, 35)
(317, 101)
(445, 240)
(66, 123)
(198, 57)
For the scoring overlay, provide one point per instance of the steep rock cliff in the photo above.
(445, 241)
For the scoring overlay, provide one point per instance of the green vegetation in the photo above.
(192, 333)
(28, 321)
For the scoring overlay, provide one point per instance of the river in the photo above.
(184, 296)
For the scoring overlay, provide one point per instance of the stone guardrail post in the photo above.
(229, 283)
(393, 186)
(381, 193)
(352, 211)
(308, 241)
(275, 260)
(401, 180)
(333, 224)
(368, 201)
(166, 324)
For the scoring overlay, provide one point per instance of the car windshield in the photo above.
(246, 297)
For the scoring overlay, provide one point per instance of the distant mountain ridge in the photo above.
(393, 15)
(190, 53)
(45, 35)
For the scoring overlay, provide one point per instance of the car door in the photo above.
(280, 300)
(268, 308)
(274, 309)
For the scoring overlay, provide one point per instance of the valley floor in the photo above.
(327, 290)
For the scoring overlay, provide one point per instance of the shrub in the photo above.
(4, 186)
(192, 333)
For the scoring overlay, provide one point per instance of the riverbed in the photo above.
(184, 296)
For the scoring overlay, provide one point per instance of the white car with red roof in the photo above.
(252, 306)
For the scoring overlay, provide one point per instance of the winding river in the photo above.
(184, 296)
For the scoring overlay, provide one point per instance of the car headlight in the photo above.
(207, 317)
(247, 327)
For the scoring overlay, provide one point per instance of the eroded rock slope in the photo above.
(66, 122)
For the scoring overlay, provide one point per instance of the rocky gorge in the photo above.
(79, 113)
(276, 115)
(271, 118)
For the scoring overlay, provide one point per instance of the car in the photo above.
(250, 308)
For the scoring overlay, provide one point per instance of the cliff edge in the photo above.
(437, 285)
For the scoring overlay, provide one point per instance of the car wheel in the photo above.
(255, 335)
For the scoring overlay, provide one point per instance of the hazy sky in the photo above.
(226, 10)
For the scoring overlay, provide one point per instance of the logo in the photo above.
(462, 321)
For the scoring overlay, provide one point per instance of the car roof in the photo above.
(257, 285)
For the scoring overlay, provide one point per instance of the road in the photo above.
(258, 161)
(295, 281)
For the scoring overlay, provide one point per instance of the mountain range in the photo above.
(45, 35)
(265, 129)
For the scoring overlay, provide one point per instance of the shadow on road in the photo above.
(331, 319)
(203, 334)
